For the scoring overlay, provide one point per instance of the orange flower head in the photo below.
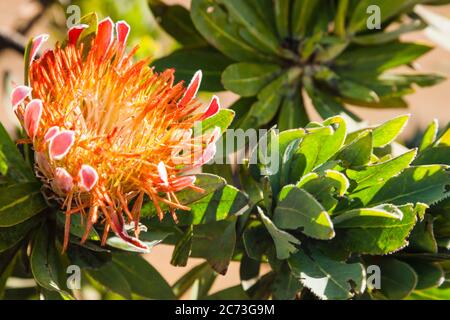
(107, 130)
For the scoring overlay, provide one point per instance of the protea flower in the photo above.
(108, 131)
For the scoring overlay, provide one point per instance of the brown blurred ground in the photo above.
(425, 105)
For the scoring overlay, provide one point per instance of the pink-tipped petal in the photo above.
(38, 41)
(19, 94)
(105, 35)
(162, 172)
(208, 154)
(61, 144)
(212, 109)
(192, 89)
(53, 131)
(74, 33)
(32, 117)
(118, 228)
(122, 30)
(88, 177)
(63, 180)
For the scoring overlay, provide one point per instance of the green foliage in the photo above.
(282, 51)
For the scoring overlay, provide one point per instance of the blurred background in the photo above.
(21, 19)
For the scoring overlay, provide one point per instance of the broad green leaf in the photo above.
(86, 258)
(285, 284)
(382, 58)
(359, 151)
(297, 208)
(430, 294)
(12, 164)
(142, 277)
(203, 285)
(269, 100)
(176, 21)
(215, 242)
(375, 231)
(325, 187)
(212, 21)
(398, 279)
(46, 265)
(182, 249)
(422, 237)
(186, 281)
(10, 236)
(430, 275)
(311, 152)
(367, 217)
(390, 9)
(303, 14)
(292, 113)
(111, 278)
(282, 10)
(254, 31)
(385, 37)
(284, 242)
(424, 184)
(256, 240)
(247, 79)
(211, 62)
(20, 202)
(388, 131)
(437, 155)
(327, 278)
(232, 293)
(373, 174)
(429, 135)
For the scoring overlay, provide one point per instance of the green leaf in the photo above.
(186, 281)
(358, 152)
(415, 184)
(256, 240)
(383, 37)
(10, 236)
(215, 242)
(298, 209)
(437, 155)
(328, 279)
(325, 187)
(254, 30)
(182, 249)
(303, 15)
(292, 113)
(111, 277)
(247, 79)
(358, 21)
(269, 100)
(422, 237)
(388, 131)
(382, 58)
(211, 62)
(176, 21)
(212, 21)
(429, 135)
(429, 274)
(398, 279)
(45, 264)
(284, 242)
(430, 294)
(12, 164)
(373, 174)
(20, 202)
(142, 277)
(232, 293)
(375, 231)
(285, 285)
(282, 10)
